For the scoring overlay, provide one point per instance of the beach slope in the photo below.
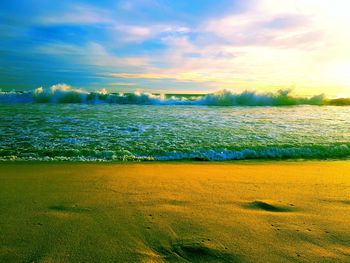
(175, 212)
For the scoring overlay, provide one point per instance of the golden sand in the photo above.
(175, 212)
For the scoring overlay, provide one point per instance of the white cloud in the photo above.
(140, 33)
(78, 14)
(92, 54)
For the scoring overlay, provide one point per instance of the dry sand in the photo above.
(175, 212)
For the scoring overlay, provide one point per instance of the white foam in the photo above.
(62, 93)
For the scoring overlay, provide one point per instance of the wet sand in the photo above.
(175, 212)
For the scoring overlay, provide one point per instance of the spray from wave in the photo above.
(62, 93)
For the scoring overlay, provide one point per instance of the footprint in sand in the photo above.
(69, 208)
(339, 201)
(192, 251)
(66, 210)
(260, 205)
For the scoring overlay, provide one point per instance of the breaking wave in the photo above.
(317, 152)
(62, 93)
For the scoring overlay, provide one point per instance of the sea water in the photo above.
(137, 130)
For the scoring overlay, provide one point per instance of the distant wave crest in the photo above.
(62, 93)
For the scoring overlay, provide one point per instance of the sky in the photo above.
(180, 46)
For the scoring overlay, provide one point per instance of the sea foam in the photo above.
(265, 153)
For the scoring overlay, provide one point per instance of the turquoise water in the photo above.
(113, 132)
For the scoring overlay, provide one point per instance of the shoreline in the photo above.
(183, 161)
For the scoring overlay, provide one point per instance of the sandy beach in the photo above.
(175, 212)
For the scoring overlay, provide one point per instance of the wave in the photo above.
(62, 93)
(316, 152)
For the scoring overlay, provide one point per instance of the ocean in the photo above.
(80, 126)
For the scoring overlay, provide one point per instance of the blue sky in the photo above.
(176, 46)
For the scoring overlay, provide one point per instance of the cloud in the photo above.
(162, 75)
(91, 54)
(122, 84)
(77, 14)
(257, 27)
(141, 33)
(119, 29)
